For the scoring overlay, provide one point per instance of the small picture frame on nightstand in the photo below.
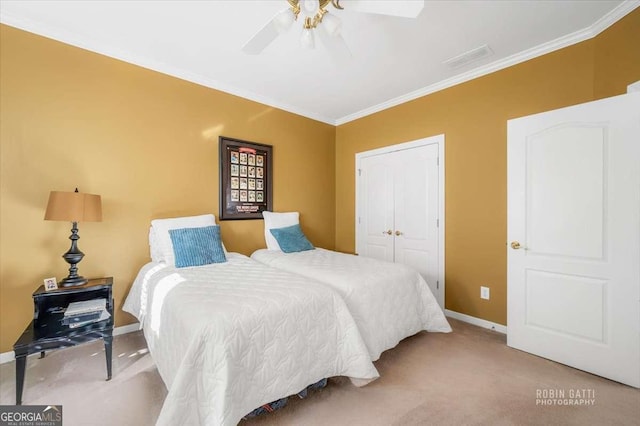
(50, 284)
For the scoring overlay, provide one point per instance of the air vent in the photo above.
(469, 56)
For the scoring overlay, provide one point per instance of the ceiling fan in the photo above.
(315, 15)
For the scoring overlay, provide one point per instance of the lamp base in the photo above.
(73, 281)
(73, 257)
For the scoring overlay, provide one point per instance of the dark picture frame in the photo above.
(246, 188)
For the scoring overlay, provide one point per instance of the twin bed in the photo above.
(388, 301)
(231, 335)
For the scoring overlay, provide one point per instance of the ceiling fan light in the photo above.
(283, 21)
(332, 24)
(307, 40)
(310, 6)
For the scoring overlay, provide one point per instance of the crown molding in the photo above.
(617, 13)
(102, 48)
(93, 45)
(591, 31)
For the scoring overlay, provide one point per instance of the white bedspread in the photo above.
(227, 338)
(389, 301)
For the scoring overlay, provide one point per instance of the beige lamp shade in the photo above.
(74, 207)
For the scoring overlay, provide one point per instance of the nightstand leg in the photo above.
(108, 341)
(21, 363)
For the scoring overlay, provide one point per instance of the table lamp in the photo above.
(73, 207)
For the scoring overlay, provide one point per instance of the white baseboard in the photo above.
(476, 321)
(130, 328)
(6, 357)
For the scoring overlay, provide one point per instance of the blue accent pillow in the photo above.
(291, 239)
(197, 246)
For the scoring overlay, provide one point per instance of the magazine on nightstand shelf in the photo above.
(79, 314)
(86, 306)
(103, 316)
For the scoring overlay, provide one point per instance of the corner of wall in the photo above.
(617, 57)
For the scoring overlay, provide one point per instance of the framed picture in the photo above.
(50, 284)
(240, 163)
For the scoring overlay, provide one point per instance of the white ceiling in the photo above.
(394, 59)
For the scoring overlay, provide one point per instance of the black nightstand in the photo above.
(47, 332)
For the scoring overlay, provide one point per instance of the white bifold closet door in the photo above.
(398, 208)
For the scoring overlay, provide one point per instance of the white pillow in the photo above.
(154, 246)
(277, 220)
(159, 240)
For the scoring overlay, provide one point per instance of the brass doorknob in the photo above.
(388, 232)
(515, 245)
(398, 233)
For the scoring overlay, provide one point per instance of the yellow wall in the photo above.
(473, 116)
(148, 143)
(617, 57)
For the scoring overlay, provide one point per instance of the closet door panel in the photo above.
(416, 210)
(376, 218)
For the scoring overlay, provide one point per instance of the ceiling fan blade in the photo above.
(261, 39)
(335, 45)
(400, 8)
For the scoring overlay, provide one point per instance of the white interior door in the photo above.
(400, 207)
(416, 211)
(376, 195)
(574, 210)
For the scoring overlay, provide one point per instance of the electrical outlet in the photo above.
(485, 293)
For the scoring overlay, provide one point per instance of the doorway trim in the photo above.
(438, 140)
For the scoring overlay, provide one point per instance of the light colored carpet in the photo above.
(467, 377)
